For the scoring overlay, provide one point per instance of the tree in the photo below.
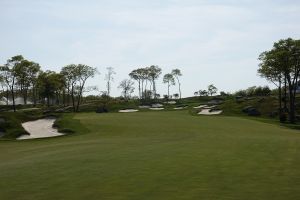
(137, 75)
(169, 80)
(109, 78)
(224, 94)
(177, 73)
(5, 88)
(281, 64)
(154, 72)
(70, 77)
(270, 68)
(212, 90)
(76, 77)
(50, 84)
(144, 73)
(203, 93)
(176, 95)
(127, 87)
(26, 73)
(83, 72)
(8, 72)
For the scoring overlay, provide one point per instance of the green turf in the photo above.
(155, 155)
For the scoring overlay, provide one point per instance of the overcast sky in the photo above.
(215, 41)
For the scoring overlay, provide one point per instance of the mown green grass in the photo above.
(155, 155)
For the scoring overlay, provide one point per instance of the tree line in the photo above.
(24, 77)
(146, 79)
(211, 90)
(21, 77)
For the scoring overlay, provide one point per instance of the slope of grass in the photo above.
(155, 155)
(11, 122)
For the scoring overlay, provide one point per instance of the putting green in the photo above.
(155, 155)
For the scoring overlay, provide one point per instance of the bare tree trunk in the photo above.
(292, 106)
(72, 96)
(285, 95)
(7, 96)
(142, 94)
(25, 96)
(291, 100)
(68, 96)
(280, 98)
(139, 81)
(34, 95)
(168, 91)
(64, 97)
(154, 89)
(108, 88)
(79, 96)
(13, 95)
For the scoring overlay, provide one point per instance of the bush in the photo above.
(246, 109)
(253, 112)
(283, 117)
(101, 109)
(273, 114)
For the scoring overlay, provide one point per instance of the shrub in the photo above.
(283, 117)
(253, 112)
(102, 109)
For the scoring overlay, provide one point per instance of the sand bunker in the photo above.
(201, 106)
(180, 108)
(144, 106)
(208, 112)
(156, 108)
(157, 105)
(41, 128)
(209, 107)
(171, 102)
(128, 110)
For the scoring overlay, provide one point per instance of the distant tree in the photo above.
(76, 77)
(169, 80)
(196, 93)
(241, 93)
(109, 77)
(4, 86)
(83, 72)
(8, 72)
(138, 76)
(148, 94)
(69, 73)
(212, 90)
(176, 95)
(177, 73)
(145, 78)
(251, 91)
(203, 93)
(265, 91)
(26, 74)
(154, 72)
(50, 84)
(166, 97)
(127, 88)
(222, 93)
